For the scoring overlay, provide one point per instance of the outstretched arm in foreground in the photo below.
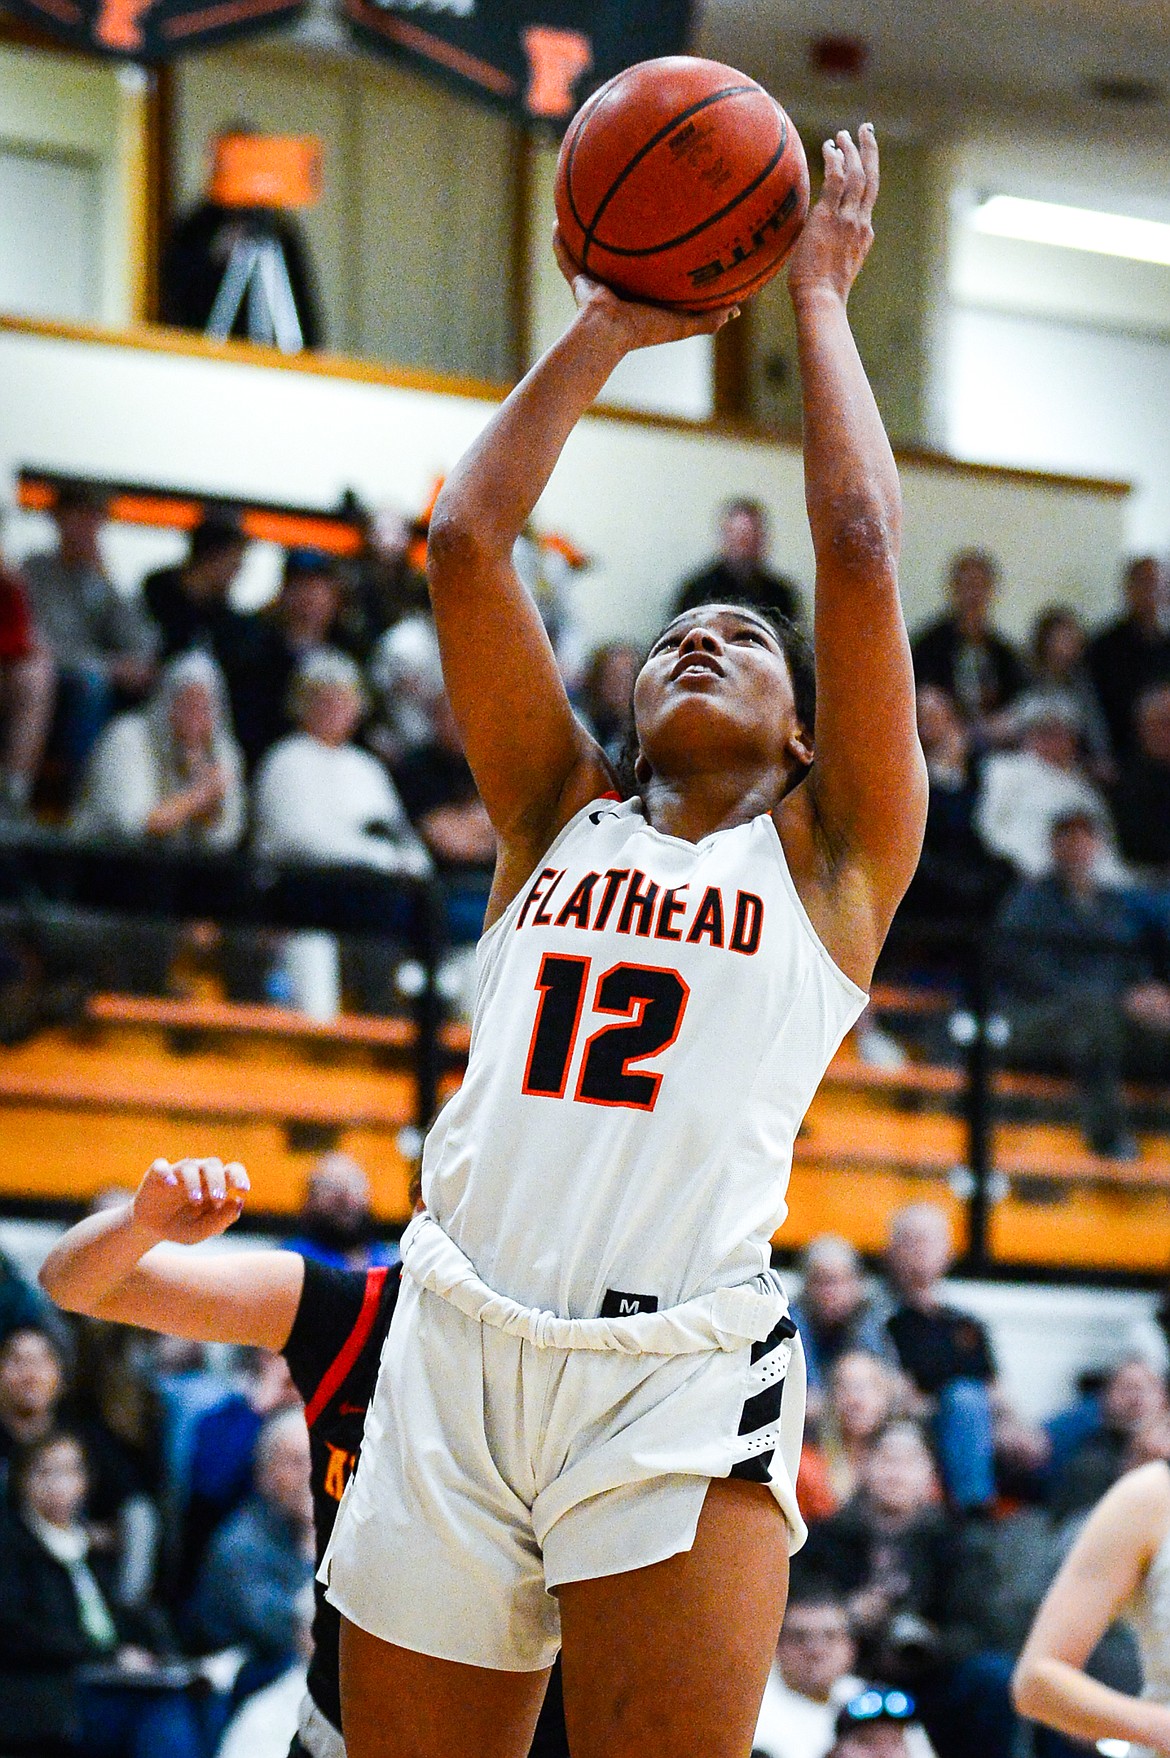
(119, 1265)
(1105, 1565)
(533, 762)
(867, 791)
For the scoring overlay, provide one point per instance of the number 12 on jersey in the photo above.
(651, 1001)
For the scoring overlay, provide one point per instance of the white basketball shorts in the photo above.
(508, 1450)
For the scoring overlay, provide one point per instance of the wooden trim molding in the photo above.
(157, 339)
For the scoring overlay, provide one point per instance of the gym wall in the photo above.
(639, 496)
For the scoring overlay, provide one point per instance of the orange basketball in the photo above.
(681, 182)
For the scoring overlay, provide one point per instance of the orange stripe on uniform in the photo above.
(335, 1375)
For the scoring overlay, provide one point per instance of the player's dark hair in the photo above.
(798, 652)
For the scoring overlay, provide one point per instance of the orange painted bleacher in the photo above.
(91, 1105)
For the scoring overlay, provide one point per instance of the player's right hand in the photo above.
(189, 1200)
(639, 325)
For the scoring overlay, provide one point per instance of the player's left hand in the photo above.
(190, 1200)
(638, 325)
(839, 231)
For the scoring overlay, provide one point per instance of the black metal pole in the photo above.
(978, 1110)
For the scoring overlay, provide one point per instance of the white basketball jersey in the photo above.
(652, 1019)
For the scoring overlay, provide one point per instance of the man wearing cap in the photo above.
(301, 621)
(876, 1724)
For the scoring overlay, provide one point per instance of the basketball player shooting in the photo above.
(587, 1424)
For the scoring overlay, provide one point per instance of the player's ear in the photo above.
(642, 770)
(800, 747)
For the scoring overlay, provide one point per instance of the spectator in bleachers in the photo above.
(406, 675)
(170, 773)
(59, 1616)
(100, 641)
(33, 1402)
(261, 1560)
(22, 1305)
(1076, 986)
(878, 1724)
(268, 1719)
(862, 1393)
(740, 571)
(1141, 798)
(914, 1597)
(189, 604)
(1024, 792)
(961, 653)
(28, 680)
(436, 786)
(338, 1226)
(317, 796)
(812, 1677)
(957, 878)
(302, 620)
(1059, 675)
(1133, 1396)
(836, 1314)
(223, 1447)
(944, 1352)
(1132, 653)
(607, 694)
(385, 584)
(319, 799)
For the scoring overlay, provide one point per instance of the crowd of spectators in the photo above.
(1049, 827)
(938, 1515)
(317, 730)
(156, 1525)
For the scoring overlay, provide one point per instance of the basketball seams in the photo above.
(644, 150)
(584, 115)
(711, 220)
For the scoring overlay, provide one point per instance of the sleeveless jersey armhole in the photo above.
(854, 990)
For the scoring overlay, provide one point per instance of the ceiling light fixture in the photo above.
(1047, 222)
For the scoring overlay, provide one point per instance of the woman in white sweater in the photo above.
(320, 798)
(170, 773)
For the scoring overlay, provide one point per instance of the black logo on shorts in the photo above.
(619, 1305)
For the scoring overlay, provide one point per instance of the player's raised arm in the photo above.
(868, 785)
(533, 763)
(120, 1265)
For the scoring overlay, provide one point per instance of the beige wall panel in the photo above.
(435, 199)
(64, 104)
(891, 307)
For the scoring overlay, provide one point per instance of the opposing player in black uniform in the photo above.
(329, 1325)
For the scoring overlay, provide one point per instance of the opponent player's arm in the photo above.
(122, 1265)
(868, 784)
(1105, 1565)
(533, 762)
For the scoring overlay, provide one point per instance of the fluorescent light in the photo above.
(1047, 222)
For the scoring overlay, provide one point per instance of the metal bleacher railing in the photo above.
(953, 1119)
